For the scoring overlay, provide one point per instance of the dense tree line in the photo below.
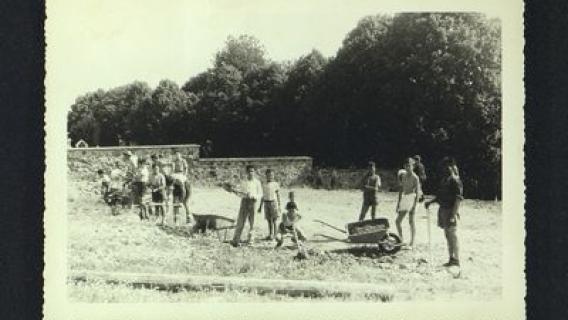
(413, 83)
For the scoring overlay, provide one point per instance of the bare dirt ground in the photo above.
(101, 242)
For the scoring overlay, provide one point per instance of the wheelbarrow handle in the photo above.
(329, 225)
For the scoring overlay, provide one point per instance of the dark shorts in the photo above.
(138, 191)
(289, 229)
(158, 196)
(444, 218)
(270, 210)
(370, 200)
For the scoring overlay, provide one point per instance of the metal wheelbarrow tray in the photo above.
(371, 232)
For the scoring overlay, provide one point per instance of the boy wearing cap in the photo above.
(370, 187)
(250, 192)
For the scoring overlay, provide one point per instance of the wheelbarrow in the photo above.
(370, 232)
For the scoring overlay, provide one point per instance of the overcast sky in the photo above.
(95, 44)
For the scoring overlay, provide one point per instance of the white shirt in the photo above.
(115, 176)
(252, 187)
(143, 174)
(269, 190)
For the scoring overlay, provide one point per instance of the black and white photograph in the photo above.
(274, 152)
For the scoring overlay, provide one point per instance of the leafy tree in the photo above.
(244, 53)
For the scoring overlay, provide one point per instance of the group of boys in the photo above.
(411, 179)
(253, 193)
(149, 183)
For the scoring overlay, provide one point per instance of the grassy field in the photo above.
(101, 242)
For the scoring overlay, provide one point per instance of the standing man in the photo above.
(370, 187)
(449, 196)
(408, 195)
(157, 186)
(131, 164)
(271, 201)
(250, 192)
(420, 171)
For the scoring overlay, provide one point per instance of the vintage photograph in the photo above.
(267, 153)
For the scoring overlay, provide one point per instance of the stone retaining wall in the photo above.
(289, 171)
(187, 150)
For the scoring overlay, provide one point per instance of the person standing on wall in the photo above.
(250, 192)
(449, 196)
(180, 165)
(370, 187)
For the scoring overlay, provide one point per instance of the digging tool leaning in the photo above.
(430, 259)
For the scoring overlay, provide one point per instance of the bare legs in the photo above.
(453, 246)
(399, 218)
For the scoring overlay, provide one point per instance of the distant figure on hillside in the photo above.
(207, 149)
(318, 178)
(408, 195)
(250, 192)
(370, 187)
(180, 165)
(449, 196)
(334, 180)
(420, 171)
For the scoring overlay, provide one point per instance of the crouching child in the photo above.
(289, 224)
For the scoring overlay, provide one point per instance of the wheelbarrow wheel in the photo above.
(390, 244)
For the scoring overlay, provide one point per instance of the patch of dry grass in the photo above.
(98, 241)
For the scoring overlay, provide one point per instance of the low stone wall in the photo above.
(288, 171)
(187, 150)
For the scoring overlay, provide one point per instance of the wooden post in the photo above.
(306, 288)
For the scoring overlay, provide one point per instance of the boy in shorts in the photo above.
(271, 201)
(140, 184)
(410, 192)
(157, 184)
(449, 196)
(370, 187)
(289, 223)
(105, 184)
